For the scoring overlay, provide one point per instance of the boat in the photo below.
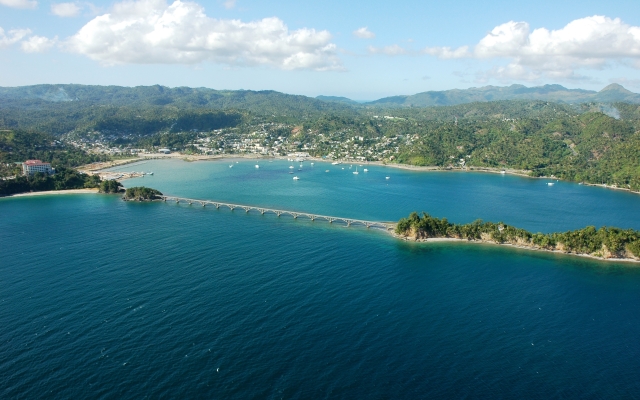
(291, 172)
(231, 166)
(299, 169)
(326, 171)
(295, 178)
(388, 177)
(149, 173)
(311, 163)
(366, 170)
(551, 183)
(335, 163)
(356, 171)
(503, 172)
(257, 166)
(290, 166)
(300, 165)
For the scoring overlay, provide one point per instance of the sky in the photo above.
(363, 50)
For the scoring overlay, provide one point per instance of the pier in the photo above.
(294, 214)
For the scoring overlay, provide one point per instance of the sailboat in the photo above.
(356, 171)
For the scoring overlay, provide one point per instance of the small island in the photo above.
(606, 243)
(141, 193)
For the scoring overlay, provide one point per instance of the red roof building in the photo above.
(30, 167)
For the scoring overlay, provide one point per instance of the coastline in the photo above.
(47, 192)
(435, 240)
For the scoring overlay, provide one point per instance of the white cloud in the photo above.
(13, 36)
(151, 31)
(38, 44)
(364, 33)
(19, 3)
(447, 52)
(66, 9)
(393, 50)
(587, 43)
(229, 4)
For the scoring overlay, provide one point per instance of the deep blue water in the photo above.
(105, 299)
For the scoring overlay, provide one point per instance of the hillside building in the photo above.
(30, 167)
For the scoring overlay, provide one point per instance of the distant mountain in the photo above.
(263, 102)
(554, 93)
(337, 99)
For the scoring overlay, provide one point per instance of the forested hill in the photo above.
(145, 110)
(263, 102)
(554, 93)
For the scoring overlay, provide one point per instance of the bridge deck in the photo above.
(294, 214)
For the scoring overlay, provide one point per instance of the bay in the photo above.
(102, 298)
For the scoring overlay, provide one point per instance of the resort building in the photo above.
(30, 167)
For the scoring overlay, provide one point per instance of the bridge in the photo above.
(294, 214)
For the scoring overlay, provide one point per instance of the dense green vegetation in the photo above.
(19, 146)
(110, 186)
(604, 242)
(64, 178)
(141, 193)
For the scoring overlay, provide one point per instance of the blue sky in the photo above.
(362, 50)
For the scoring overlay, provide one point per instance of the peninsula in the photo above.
(606, 243)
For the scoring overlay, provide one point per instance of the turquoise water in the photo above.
(102, 298)
(460, 196)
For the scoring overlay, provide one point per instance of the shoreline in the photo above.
(489, 242)
(47, 192)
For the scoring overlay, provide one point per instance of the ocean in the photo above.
(101, 298)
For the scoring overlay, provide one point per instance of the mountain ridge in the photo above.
(552, 92)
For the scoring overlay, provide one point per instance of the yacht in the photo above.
(551, 183)
(366, 170)
(295, 178)
(388, 177)
(290, 166)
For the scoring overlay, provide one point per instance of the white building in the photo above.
(30, 167)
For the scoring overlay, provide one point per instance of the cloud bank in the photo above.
(13, 36)
(65, 9)
(19, 3)
(154, 32)
(587, 43)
